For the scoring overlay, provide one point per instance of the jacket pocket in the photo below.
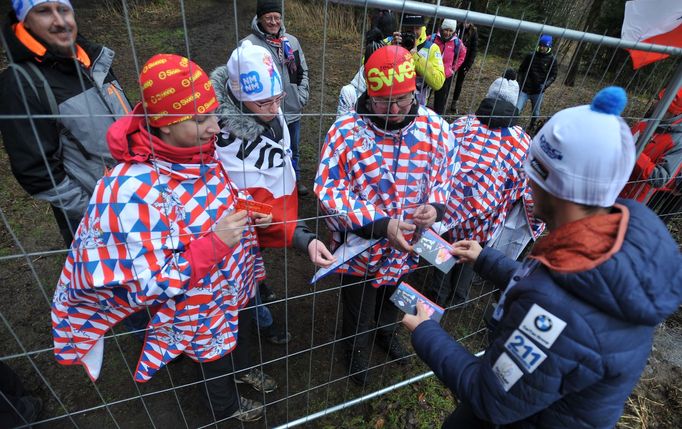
(292, 102)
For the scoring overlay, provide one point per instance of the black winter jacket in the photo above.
(537, 72)
(468, 36)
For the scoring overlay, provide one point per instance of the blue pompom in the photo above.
(610, 100)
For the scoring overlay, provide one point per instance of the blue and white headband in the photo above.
(23, 7)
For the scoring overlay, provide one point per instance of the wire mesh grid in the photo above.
(311, 370)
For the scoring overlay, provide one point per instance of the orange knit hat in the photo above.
(390, 71)
(175, 89)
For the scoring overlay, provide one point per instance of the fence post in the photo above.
(661, 107)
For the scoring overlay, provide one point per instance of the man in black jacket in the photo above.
(55, 72)
(537, 72)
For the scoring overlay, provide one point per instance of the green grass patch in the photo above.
(421, 405)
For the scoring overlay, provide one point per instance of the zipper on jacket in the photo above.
(97, 88)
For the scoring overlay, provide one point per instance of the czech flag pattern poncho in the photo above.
(489, 182)
(366, 174)
(146, 242)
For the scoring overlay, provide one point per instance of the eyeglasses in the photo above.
(272, 19)
(277, 100)
(382, 103)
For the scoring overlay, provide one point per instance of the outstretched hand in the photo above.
(467, 251)
(424, 313)
(425, 215)
(262, 220)
(397, 38)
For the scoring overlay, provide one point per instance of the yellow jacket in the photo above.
(429, 63)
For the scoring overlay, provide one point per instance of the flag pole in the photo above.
(661, 107)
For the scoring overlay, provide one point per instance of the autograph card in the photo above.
(253, 206)
(406, 297)
(435, 250)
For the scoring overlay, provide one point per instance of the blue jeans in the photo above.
(295, 136)
(262, 313)
(535, 101)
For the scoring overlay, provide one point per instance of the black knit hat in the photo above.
(413, 21)
(385, 21)
(509, 74)
(267, 6)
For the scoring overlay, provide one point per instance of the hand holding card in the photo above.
(253, 206)
(424, 313)
(434, 249)
(261, 220)
(406, 297)
(230, 227)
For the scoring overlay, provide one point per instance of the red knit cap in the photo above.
(175, 89)
(676, 106)
(390, 71)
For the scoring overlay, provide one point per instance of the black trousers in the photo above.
(12, 390)
(246, 342)
(363, 304)
(222, 392)
(440, 97)
(459, 81)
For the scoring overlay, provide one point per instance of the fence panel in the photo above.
(311, 369)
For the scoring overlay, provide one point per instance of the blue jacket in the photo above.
(569, 348)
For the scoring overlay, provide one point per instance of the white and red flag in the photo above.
(652, 21)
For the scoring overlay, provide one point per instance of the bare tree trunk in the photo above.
(574, 65)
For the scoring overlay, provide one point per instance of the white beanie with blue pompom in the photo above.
(585, 154)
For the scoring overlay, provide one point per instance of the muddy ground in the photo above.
(310, 369)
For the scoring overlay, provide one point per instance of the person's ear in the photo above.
(164, 130)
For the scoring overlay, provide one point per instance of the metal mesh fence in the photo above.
(311, 369)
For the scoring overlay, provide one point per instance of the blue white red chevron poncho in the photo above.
(367, 173)
(146, 242)
(490, 180)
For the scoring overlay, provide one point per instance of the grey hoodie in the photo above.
(297, 93)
